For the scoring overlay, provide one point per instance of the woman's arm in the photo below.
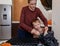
(22, 23)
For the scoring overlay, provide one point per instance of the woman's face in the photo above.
(32, 4)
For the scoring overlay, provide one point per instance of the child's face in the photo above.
(36, 25)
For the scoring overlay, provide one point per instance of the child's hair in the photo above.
(35, 20)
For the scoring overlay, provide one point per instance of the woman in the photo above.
(28, 14)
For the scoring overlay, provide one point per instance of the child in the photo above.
(37, 25)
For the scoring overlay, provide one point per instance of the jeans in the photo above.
(23, 34)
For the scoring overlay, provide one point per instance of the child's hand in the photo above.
(46, 29)
(45, 33)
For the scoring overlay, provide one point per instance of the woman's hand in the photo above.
(35, 32)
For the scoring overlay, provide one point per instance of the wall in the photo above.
(47, 14)
(56, 19)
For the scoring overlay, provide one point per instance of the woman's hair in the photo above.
(29, 1)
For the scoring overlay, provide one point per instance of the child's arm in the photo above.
(46, 29)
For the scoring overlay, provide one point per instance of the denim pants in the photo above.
(23, 34)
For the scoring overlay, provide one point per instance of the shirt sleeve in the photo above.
(42, 17)
(22, 23)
